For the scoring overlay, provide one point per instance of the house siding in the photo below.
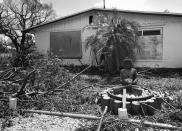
(42, 36)
(171, 26)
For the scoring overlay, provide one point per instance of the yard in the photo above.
(48, 92)
(105, 37)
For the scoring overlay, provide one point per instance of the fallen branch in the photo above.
(58, 88)
(2, 92)
(4, 99)
(5, 73)
(13, 74)
(30, 94)
(144, 71)
(17, 81)
(108, 85)
(144, 76)
(84, 88)
(21, 91)
(140, 72)
(156, 124)
(102, 117)
(91, 117)
(169, 104)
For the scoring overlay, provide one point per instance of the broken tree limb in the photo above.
(108, 85)
(5, 73)
(58, 88)
(91, 117)
(13, 74)
(84, 88)
(140, 72)
(30, 94)
(102, 117)
(17, 81)
(156, 124)
(168, 104)
(21, 91)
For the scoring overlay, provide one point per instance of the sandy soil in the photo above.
(44, 123)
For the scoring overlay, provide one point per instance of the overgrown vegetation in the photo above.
(115, 39)
(38, 91)
(46, 85)
(44, 92)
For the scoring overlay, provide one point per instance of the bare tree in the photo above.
(18, 15)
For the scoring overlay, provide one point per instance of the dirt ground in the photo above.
(171, 87)
(43, 123)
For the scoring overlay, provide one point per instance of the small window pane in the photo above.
(90, 19)
(151, 32)
(139, 33)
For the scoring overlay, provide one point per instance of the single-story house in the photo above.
(161, 37)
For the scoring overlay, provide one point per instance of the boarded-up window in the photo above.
(151, 44)
(66, 44)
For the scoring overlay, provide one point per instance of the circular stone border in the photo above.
(113, 96)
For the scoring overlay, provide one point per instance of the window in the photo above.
(151, 32)
(139, 33)
(90, 19)
(66, 44)
(150, 44)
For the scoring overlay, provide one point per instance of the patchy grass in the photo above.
(170, 87)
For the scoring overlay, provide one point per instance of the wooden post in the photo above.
(102, 117)
(12, 103)
(105, 101)
(116, 104)
(91, 117)
(135, 108)
(124, 98)
(151, 107)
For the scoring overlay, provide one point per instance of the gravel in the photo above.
(44, 123)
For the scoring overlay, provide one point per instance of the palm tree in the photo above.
(115, 39)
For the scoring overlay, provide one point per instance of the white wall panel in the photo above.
(172, 36)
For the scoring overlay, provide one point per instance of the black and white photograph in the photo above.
(90, 65)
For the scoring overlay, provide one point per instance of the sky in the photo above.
(66, 7)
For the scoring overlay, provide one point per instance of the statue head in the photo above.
(127, 63)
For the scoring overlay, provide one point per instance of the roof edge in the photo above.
(101, 9)
(58, 19)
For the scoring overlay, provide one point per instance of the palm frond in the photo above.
(121, 33)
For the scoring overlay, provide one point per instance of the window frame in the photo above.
(80, 45)
(90, 19)
(148, 29)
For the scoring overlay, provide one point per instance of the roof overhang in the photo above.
(106, 10)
